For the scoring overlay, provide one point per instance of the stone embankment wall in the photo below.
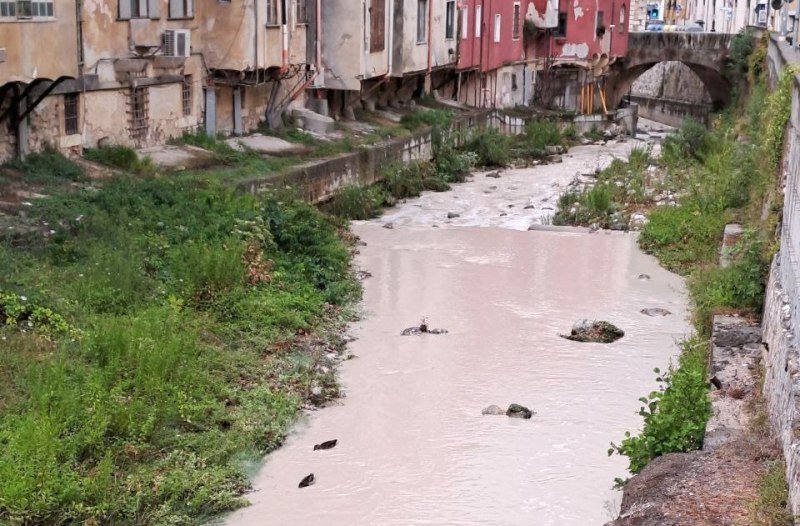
(670, 92)
(782, 306)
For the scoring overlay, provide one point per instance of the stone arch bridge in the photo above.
(706, 54)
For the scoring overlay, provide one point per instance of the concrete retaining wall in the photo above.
(318, 181)
(671, 112)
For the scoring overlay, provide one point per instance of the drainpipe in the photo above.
(319, 38)
(391, 37)
(255, 40)
(430, 35)
(284, 37)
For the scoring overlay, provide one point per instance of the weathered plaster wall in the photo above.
(38, 57)
(345, 45)
(413, 56)
(671, 112)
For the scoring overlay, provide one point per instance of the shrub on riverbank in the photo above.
(675, 415)
(192, 314)
(491, 147)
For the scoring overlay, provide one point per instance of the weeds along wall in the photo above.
(782, 304)
(318, 181)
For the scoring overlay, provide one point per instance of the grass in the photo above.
(48, 167)
(121, 157)
(771, 506)
(166, 350)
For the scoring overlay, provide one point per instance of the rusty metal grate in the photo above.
(71, 112)
(138, 111)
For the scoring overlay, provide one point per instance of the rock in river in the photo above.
(518, 411)
(594, 331)
(493, 410)
(655, 312)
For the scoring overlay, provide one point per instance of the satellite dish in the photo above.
(776, 4)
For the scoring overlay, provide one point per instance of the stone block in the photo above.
(314, 122)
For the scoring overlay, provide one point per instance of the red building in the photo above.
(492, 63)
(574, 43)
(553, 52)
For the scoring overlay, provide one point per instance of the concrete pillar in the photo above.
(733, 233)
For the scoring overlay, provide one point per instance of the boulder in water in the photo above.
(493, 410)
(518, 411)
(594, 331)
(655, 312)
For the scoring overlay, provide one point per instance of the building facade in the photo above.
(140, 72)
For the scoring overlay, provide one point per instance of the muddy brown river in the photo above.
(413, 447)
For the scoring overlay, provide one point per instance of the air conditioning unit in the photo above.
(176, 43)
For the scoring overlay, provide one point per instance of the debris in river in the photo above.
(361, 275)
(655, 312)
(494, 175)
(452, 215)
(493, 410)
(328, 444)
(422, 328)
(594, 332)
(389, 226)
(519, 411)
(644, 277)
(307, 481)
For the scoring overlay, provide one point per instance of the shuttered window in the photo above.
(138, 9)
(515, 30)
(450, 20)
(377, 14)
(181, 8)
(272, 12)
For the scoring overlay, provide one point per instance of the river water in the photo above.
(413, 447)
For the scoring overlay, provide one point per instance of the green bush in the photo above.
(691, 141)
(357, 202)
(491, 148)
(48, 166)
(538, 135)
(674, 416)
(741, 48)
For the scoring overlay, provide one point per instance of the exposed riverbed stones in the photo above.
(493, 410)
(592, 331)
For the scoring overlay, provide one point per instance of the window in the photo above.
(422, 21)
(272, 12)
(138, 114)
(181, 8)
(600, 29)
(26, 8)
(186, 95)
(478, 21)
(377, 33)
(464, 23)
(561, 30)
(622, 19)
(138, 9)
(450, 20)
(71, 107)
(497, 28)
(515, 30)
(302, 12)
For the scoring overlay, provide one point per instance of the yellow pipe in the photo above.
(582, 98)
(603, 100)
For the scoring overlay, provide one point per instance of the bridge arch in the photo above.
(706, 54)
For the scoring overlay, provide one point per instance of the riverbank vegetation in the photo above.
(729, 173)
(158, 335)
